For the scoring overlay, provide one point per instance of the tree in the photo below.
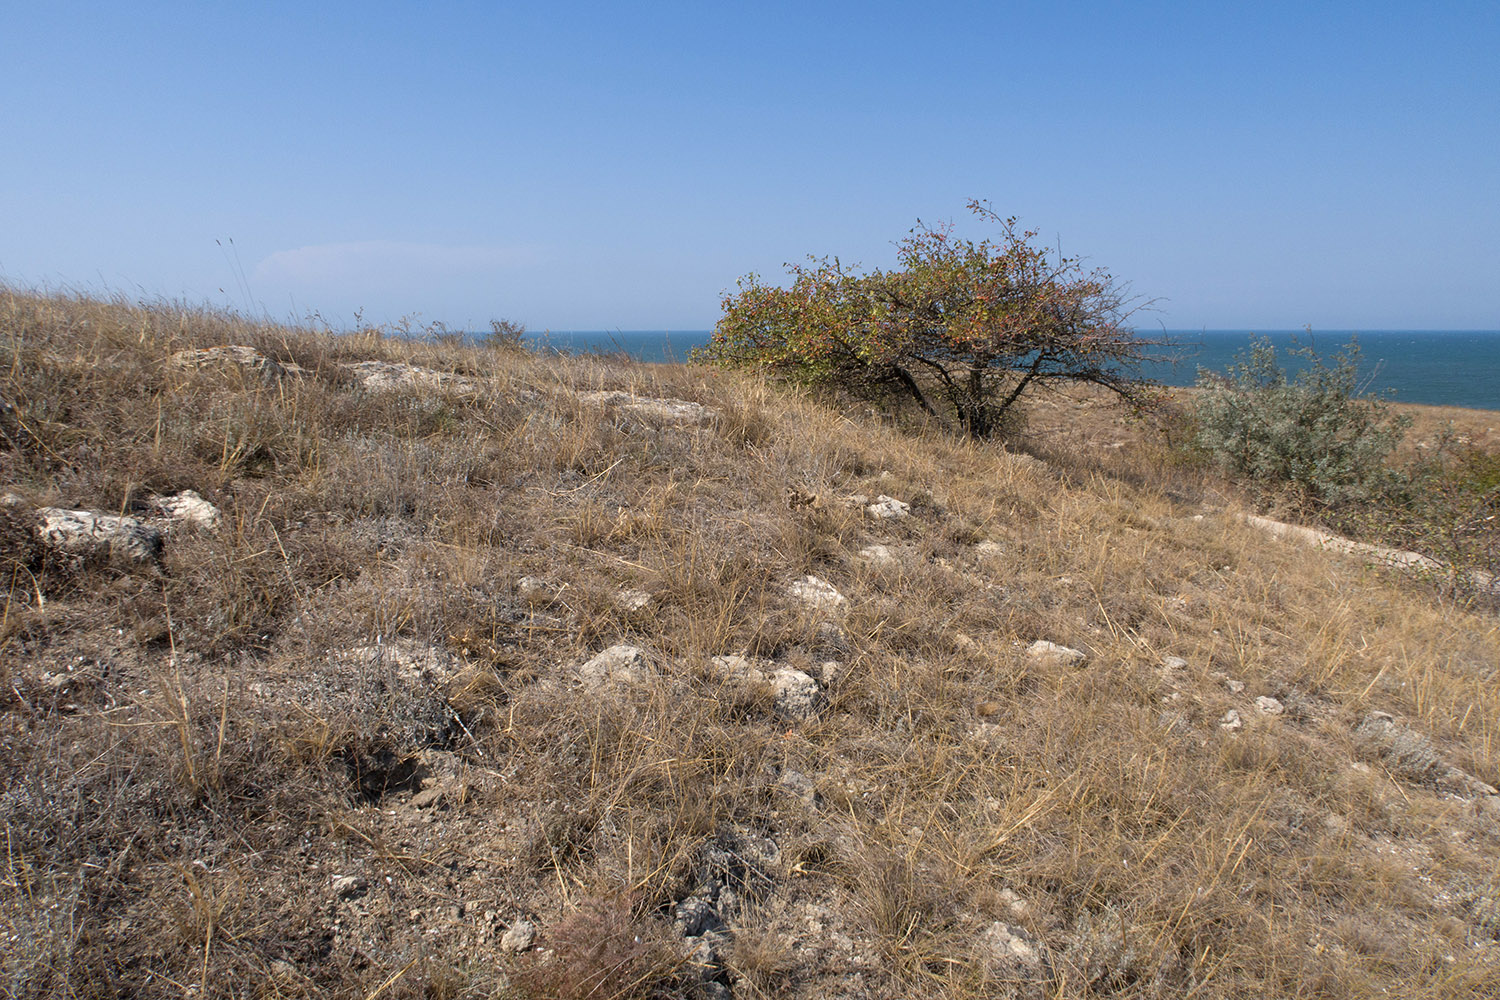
(963, 329)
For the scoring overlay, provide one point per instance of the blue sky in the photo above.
(618, 166)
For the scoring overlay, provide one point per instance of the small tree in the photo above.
(961, 328)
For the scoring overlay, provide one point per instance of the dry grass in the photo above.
(209, 790)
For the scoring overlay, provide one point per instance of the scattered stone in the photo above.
(518, 937)
(235, 355)
(1013, 902)
(1052, 654)
(695, 916)
(816, 592)
(878, 555)
(1266, 705)
(88, 533)
(1007, 943)
(669, 410)
(188, 507)
(797, 694)
(621, 664)
(1231, 720)
(632, 600)
(387, 376)
(1234, 686)
(886, 507)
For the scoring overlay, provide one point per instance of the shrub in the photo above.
(963, 329)
(602, 951)
(1314, 432)
(1450, 509)
(505, 334)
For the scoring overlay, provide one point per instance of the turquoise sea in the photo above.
(1439, 367)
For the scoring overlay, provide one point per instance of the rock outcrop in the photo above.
(89, 534)
(236, 356)
(389, 376)
(677, 411)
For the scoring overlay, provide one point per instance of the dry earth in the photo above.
(492, 675)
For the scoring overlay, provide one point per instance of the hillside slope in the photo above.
(344, 728)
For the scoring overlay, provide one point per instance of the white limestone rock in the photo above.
(1054, 654)
(1266, 705)
(886, 508)
(622, 664)
(632, 600)
(676, 411)
(232, 356)
(387, 376)
(89, 533)
(188, 507)
(518, 937)
(877, 555)
(816, 592)
(1008, 943)
(797, 694)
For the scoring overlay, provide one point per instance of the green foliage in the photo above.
(1314, 432)
(961, 328)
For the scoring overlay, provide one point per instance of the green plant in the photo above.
(962, 329)
(1314, 432)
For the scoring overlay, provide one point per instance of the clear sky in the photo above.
(618, 165)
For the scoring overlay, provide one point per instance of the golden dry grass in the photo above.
(206, 790)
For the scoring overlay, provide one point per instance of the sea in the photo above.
(1436, 367)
